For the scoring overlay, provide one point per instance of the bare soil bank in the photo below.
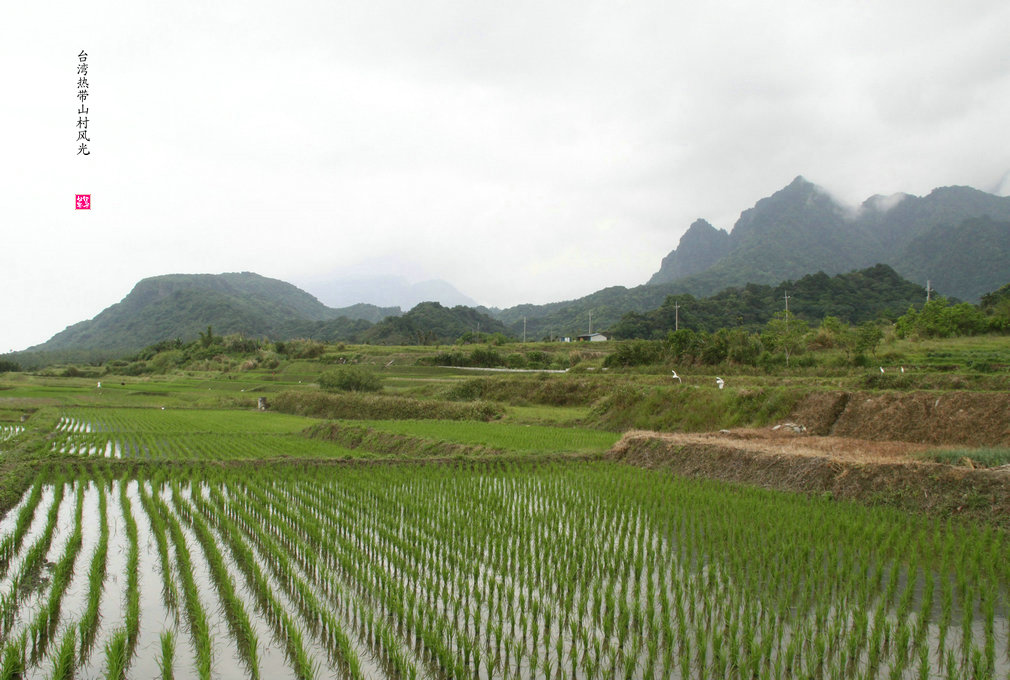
(866, 471)
(945, 418)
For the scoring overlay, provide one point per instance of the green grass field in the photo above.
(511, 437)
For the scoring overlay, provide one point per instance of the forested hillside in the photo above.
(183, 305)
(868, 294)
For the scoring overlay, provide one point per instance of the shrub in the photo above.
(485, 358)
(635, 353)
(350, 379)
(301, 348)
(11, 366)
(455, 358)
(373, 406)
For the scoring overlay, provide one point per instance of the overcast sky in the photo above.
(522, 151)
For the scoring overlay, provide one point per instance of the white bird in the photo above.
(99, 384)
(881, 369)
(677, 377)
(720, 382)
(902, 369)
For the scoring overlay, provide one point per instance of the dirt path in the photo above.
(788, 443)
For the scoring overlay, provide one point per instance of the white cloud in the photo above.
(523, 151)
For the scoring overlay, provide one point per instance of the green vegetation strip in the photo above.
(970, 457)
(353, 405)
(505, 436)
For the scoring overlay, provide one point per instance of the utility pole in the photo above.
(927, 290)
(676, 316)
(590, 323)
(787, 296)
(524, 330)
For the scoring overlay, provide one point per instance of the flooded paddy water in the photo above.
(577, 570)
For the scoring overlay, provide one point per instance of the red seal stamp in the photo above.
(82, 201)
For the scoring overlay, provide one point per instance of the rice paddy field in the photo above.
(163, 537)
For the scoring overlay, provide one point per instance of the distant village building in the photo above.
(592, 337)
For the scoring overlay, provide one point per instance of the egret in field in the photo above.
(902, 369)
(677, 377)
(881, 369)
(99, 384)
(720, 382)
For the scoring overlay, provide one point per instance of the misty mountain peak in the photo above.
(801, 228)
(881, 204)
(701, 246)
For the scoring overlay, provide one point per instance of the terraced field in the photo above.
(187, 434)
(508, 436)
(229, 543)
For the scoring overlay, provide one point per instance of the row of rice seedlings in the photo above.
(14, 662)
(887, 601)
(65, 659)
(620, 573)
(350, 567)
(12, 541)
(256, 587)
(43, 626)
(238, 619)
(159, 529)
(10, 431)
(67, 424)
(821, 613)
(89, 622)
(353, 562)
(525, 602)
(286, 631)
(156, 434)
(799, 621)
(293, 587)
(132, 614)
(282, 533)
(166, 659)
(195, 613)
(117, 655)
(897, 620)
(458, 581)
(31, 565)
(378, 545)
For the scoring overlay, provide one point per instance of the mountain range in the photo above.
(183, 305)
(958, 238)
